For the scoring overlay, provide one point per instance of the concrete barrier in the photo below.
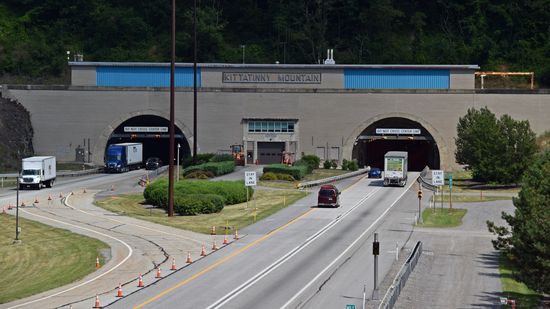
(314, 183)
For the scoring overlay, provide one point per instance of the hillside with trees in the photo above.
(497, 35)
(15, 134)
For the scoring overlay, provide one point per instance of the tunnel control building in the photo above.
(333, 111)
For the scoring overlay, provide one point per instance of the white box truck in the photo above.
(37, 172)
(123, 157)
(395, 168)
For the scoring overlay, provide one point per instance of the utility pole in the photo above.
(195, 81)
(17, 230)
(172, 137)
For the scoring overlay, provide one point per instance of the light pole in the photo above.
(243, 48)
(17, 240)
(178, 174)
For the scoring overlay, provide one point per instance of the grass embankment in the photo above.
(239, 215)
(46, 258)
(442, 217)
(512, 289)
(463, 183)
(315, 175)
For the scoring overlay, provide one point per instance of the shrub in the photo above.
(193, 204)
(222, 158)
(156, 193)
(233, 192)
(297, 171)
(307, 164)
(334, 164)
(345, 164)
(353, 165)
(269, 176)
(199, 174)
(313, 160)
(201, 159)
(285, 177)
(326, 164)
(216, 168)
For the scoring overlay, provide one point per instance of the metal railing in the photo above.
(401, 278)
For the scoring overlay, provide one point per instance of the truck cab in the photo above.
(37, 172)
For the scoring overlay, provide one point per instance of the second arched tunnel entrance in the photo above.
(396, 134)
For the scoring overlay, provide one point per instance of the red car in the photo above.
(328, 196)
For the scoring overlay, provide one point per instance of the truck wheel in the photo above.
(50, 183)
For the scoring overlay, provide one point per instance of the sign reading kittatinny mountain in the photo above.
(270, 77)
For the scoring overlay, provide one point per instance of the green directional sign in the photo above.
(450, 181)
(350, 306)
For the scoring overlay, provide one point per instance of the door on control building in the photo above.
(270, 152)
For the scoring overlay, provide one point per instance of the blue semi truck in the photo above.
(123, 157)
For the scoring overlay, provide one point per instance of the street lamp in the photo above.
(17, 230)
(178, 174)
(243, 48)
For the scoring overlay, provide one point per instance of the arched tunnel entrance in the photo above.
(152, 132)
(396, 134)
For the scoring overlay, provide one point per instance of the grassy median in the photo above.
(518, 291)
(442, 217)
(315, 175)
(46, 258)
(239, 215)
(459, 198)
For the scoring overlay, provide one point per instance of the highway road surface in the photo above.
(281, 264)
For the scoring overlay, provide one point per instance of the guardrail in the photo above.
(427, 181)
(401, 278)
(314, 183)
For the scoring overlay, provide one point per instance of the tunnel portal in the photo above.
(152, 132)
(396, 134)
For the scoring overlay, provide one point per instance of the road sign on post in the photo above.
(249, 179)
(438, 177)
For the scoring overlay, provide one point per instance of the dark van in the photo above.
(328, 196)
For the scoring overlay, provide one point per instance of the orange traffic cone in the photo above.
(225, 242)
(213, 231)
(97, 262)
(36, 200)
(9, 206)
(49, 197)
(4, 211)
(112, 187)
(158, 273)
(60, 195)
(236, 234)
(140, 282)
(23, 204)
(202, 251)
(119, 292)
(84, 190)
(97, 305)
(214, 247)
(173, 264)
(189, 258)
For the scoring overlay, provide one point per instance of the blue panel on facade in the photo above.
(130, 76)
(396, 79)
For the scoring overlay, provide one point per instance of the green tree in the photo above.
(527, 240)
(495, 150)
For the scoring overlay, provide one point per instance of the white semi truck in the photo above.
(395, 168)
(37, 172)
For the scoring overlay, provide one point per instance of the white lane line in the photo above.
(243, 287)
(130, 224)
(345, 251)
(130, 252)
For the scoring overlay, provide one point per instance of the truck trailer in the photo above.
(395, 168)
(123, 157)
(37, 172)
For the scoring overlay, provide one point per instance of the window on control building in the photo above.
(256, 126)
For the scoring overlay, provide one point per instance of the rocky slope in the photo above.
(15, 134)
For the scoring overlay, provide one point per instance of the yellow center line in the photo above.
(223, 260)
(227, 258)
